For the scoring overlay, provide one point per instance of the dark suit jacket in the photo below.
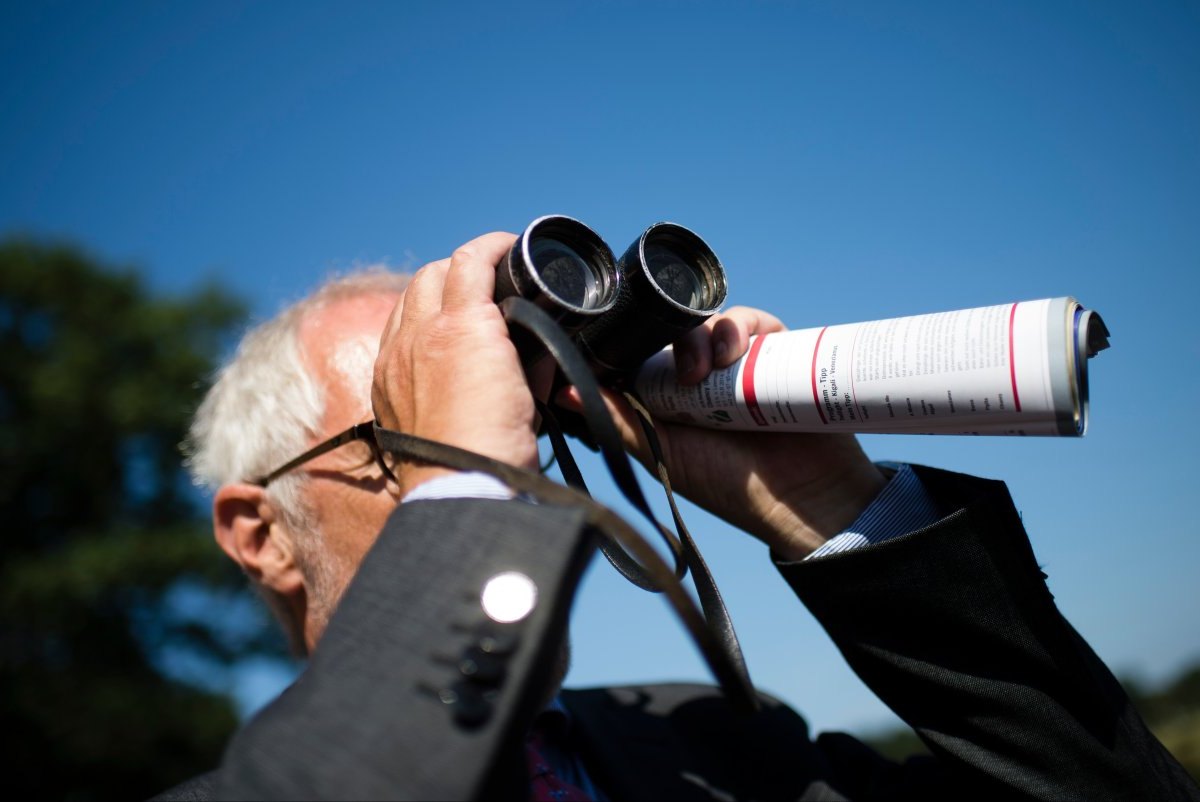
(414, 695)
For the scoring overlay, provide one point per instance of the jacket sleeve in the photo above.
(954, 628)
(414, 693)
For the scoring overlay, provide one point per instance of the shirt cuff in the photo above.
(470, 484)
(902, 506)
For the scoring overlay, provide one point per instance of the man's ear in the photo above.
(247, 529)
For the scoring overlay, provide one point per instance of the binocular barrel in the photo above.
(620, 312)
(562, 266)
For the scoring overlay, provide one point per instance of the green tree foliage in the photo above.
(1173, 713)
(97, 381)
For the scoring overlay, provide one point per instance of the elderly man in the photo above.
(376, 567)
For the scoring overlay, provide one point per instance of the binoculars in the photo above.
(618, 312)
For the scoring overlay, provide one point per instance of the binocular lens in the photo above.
(682, 269)
(567, 275)
(681, 282)
(565, 269)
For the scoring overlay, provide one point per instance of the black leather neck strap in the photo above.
(630, 553)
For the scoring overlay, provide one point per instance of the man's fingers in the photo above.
(733, 330)
(721, 341)
(423, 295)
(693, 354)
(472, 276)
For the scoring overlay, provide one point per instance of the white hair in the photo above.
(265, 406)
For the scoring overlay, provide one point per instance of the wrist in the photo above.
(833, 503)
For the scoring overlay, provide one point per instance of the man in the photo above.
(417, 688)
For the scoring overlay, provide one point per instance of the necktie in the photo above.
(544, 784)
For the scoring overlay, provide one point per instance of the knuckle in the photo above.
(418, 281)
(425, 273)
(463, 253)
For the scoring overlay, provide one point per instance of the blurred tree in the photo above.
(1173, 713)
(101, 532)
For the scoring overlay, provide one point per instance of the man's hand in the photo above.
(792, 491)
(447, 370)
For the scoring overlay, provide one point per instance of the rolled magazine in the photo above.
(1012, 369)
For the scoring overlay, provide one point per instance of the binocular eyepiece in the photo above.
(620, 312)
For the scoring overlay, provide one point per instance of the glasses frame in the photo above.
(361, 431)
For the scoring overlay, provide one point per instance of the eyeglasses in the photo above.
(362, 431)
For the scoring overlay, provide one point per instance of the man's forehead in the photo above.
(354, 360)
(343, 337)
(350, 316)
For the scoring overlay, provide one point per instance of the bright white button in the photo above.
(508, 597)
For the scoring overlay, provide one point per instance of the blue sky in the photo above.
(848, 161)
